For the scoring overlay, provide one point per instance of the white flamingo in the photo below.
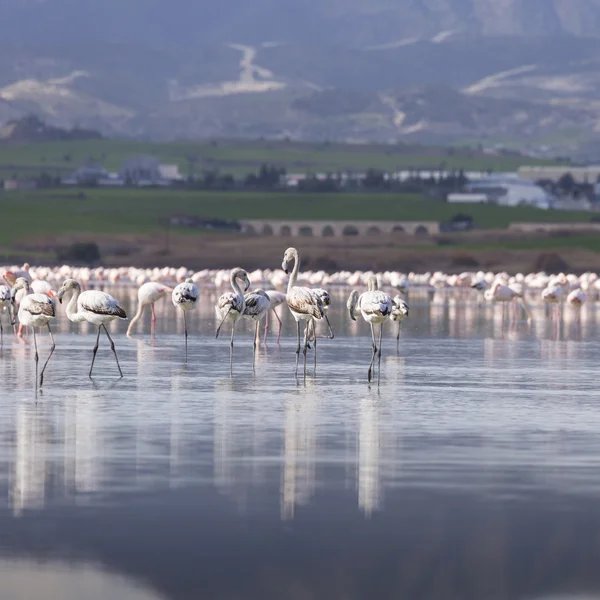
(230, 306)
(95, 307)
(276, 299)
(185, 296)
(35, 310)
(577, 298)
(399, 313)
(323, 296)
(375, 307)
(5, 306)
(149, 293)
(303, 304)
(257, 305)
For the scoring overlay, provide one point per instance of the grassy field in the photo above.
(240, 158)
(30, 214)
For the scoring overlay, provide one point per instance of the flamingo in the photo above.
(149, 293)
(399, 313)
(5, 305)
(303, 304)
(375, 307)
(324, 297)
(230, 306)
(95, 307)
(577, 298)
(185, 296)
(35, 310)
(503, 293)
(552, 295)
(276, 298)
(257, 305)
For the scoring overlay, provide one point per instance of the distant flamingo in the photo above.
(35, 310)
(303, 304)
(257, 305)
(149, 293)
(577, 298)
(230, 306)
(5, 305)
(95, 307)
(375, 307)
(399, 313)
(185, 296)
(276, 298)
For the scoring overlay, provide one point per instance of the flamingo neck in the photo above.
(136, 317)
(294, 275)
(236, 286)
(72, 310)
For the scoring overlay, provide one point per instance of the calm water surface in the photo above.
(471, 471)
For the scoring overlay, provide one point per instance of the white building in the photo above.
(517, 192)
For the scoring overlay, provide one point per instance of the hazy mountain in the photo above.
(337, 69)
(349, 22)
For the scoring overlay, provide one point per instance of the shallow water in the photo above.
(471, 471)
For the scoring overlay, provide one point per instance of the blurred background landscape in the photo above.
(159, 131)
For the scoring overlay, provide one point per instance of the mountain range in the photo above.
(522, 72)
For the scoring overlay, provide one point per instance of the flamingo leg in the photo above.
(1, 332)
(49, 355)
(305, 347)
(231, 348)
(20, 331)
(280, 325)
(314, 325)
(398, 337)
(256, 338)
(297, 349)
(266, 328)
(112, 347)
(37, 357)
(94, 353)
(185, 333)
(379, 353)
(374, 347)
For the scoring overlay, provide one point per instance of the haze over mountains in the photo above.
(443, 70)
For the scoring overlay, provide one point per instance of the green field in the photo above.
(240, 158)
(30, 214)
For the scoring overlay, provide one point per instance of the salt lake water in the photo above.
(472, 470)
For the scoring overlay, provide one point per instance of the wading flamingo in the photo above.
(399, 313)
(230, 306)
(276, 298)
(35, 310)
(257, 305)
(303, 304)
(5, 306)
(95, 307)
(375, 307)
(185, 296)
(149, 293)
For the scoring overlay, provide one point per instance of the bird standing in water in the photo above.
(95, 307)
(35, 310)
(303, 304)
(375, 307)
(230, 306)
(185, 296)
(399, 313)
(149, 293)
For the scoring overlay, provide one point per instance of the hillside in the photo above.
(504, 71)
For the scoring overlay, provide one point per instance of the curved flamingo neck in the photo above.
(294, 275)
(235, 285)
(72, 309)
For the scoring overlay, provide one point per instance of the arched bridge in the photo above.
(336, 228)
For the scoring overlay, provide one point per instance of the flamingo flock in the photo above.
(28, 295)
